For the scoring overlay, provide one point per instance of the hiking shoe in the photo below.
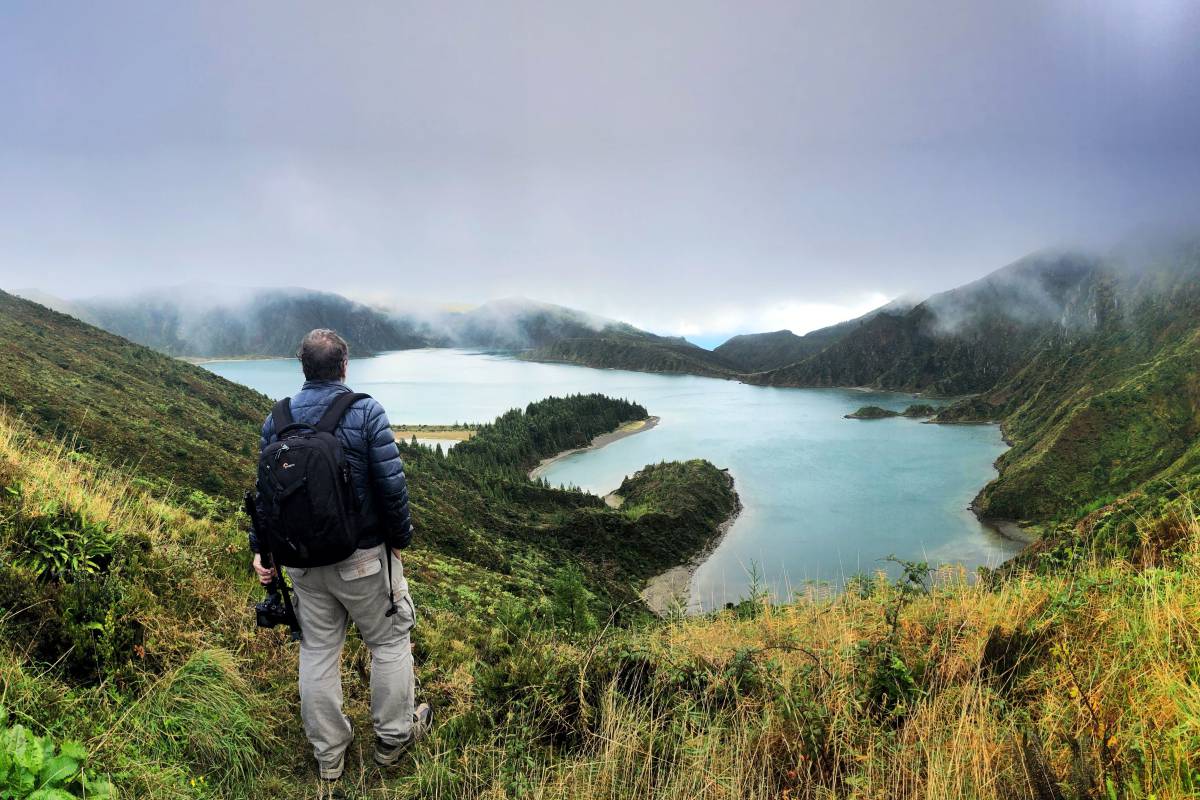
(333, 770)
(388, 754)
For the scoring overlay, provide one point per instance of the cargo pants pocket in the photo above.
(405, 618)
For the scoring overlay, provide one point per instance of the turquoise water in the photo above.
(824, 497)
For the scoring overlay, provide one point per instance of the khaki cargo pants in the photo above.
(355, 589)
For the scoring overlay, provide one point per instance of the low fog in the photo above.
(701, 169)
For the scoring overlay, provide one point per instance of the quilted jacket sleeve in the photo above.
(387, 478)
(268, 433)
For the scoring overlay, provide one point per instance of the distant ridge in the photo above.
(258, 322)
(759, 352)
(960, 341)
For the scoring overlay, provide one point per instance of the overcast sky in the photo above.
(692, 167)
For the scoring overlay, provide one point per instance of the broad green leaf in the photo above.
(58, 769)
(98, 789)
(51, 794)
(26, 750)
(73, 749)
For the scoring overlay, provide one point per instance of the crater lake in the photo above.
(824, 497)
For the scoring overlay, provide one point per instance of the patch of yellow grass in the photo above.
(449, 434)
(1108, 697)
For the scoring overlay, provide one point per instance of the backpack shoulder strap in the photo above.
(282, 415)
(333, 414)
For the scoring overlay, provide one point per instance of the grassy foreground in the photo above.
(1081, 683)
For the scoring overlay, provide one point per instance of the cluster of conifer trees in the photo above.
(521, 438)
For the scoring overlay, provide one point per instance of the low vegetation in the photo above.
(1073, 682)
(126, 624)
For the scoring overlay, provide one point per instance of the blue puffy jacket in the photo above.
(375, 466)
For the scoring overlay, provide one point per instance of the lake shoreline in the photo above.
(661, 592)
(1006, 528)
(628, 429)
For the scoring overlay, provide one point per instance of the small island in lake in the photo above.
(875, 412)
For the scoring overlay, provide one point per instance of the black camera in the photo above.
(278, 608)
(273, 612)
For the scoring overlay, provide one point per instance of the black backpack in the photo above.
(305, 489)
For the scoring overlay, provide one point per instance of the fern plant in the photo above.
(61, 544)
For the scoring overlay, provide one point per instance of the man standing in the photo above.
(363, 587)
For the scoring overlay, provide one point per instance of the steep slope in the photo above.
(123, 402)
(258, 322)
(961, 341)
(1096, 414)
(640, 353)
(759, 352)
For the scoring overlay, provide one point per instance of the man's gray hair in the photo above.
(323, 354)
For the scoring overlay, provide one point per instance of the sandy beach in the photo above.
(628, 429)
(1009, 529)
(663, 590)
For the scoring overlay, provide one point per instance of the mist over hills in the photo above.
(206, 322)
(270, 322)
(957, 342)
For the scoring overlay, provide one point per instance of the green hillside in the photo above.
(130, 405)
(961, 341)
(644, 353)
(1095, 416)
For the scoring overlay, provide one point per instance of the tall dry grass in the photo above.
(1074, 686)
(1081, 684)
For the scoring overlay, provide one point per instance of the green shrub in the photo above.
(33, 768)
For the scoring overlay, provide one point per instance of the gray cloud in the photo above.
(682, 165)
